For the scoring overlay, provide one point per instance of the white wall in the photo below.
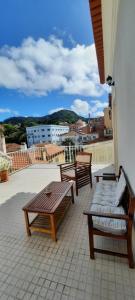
(45, 133)
(2, 144)
(124, 76)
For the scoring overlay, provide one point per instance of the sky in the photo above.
(48, 59)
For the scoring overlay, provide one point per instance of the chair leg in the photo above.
(130, 252)
(91, 237)
(76, 189)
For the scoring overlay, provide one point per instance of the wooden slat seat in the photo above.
(79, 171)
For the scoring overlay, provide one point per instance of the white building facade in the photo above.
(117, 32)
(79, 138)
(45, 133)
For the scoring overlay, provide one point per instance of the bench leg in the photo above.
(27, 223)
(90, 179)
(53, 228)
(91, 237)
(72, 193)
(129, 250)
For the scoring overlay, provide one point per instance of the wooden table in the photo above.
(49, 208)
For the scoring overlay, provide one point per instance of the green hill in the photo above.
(55, 118)
(15, 127)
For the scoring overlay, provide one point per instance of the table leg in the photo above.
(27, 223)
(72, 193)
(53, 227)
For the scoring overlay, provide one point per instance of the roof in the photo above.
(72, 133)
(96, 17)
(80, 122)
(46, 126)
(12, 147)
(51, 149)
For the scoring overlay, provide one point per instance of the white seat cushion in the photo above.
(106, 188)
(70, 173)
(113, 226)
(105, 193)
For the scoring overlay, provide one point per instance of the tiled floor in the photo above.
(38, 268)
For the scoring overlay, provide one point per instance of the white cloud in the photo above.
(94, 108)
(55, 110)
(41, 66)
(80, 107)
(8, 111)
(99, 113)
(84, 108)
(97, 107)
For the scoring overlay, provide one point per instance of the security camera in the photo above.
(109, 81)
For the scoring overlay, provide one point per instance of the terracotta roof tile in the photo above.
(12, 147)
(51, 149)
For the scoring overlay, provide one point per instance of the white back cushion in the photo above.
(120, 189)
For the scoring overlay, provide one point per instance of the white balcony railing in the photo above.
(102, 153)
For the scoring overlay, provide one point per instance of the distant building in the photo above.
(97, 125)
(77, 126)
(79, 138)
(108, 132)
(53, 153)
(13, 147)
(45, 133)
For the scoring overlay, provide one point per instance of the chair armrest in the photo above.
(113, 174)
(106, 215)
(59, 165)
(66, 164)
(108, 177)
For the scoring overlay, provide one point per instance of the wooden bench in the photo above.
(110, 220)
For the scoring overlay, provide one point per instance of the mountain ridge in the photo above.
(54, 118)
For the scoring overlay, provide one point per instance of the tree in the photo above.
(68, 142)
(69, 150)
(15, 133)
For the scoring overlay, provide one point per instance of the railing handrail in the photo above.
(26, 150)
(102, 152)
(76, 146)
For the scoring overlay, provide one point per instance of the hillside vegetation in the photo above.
(15, 127)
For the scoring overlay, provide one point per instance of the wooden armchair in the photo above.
(79, 171)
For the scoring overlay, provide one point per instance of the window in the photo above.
(42, 129)
(43, 135)
(34, 130)
(49, 135)
(48, 129)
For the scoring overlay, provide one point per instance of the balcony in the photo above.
(37, 267)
